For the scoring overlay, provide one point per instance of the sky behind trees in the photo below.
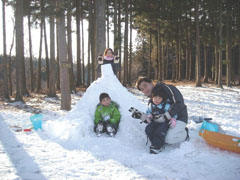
(36, 35)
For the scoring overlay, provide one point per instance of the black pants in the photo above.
(156, 132)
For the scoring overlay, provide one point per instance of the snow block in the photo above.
(107, 70)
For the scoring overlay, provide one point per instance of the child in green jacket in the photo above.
(107, 116)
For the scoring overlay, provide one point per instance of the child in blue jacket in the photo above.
(157, 128)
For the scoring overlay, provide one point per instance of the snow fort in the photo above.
(78, 124)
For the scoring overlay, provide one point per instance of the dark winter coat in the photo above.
(176, 100)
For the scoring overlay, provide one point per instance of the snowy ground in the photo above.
(67, 148)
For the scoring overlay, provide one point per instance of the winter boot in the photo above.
(99, 129)
(155, 150)
(111, 130)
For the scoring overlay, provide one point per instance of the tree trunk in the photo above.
(108, 37)
(174, 63)
(213, 65)
(83, 64)
(163, 60)
(89, 40)
(188, 34)
(187, 58)
(190, 50)
(40, 49)
(5, 79)
(30, 53)
(150, 55)
(157, 42)
(160, 55)
(177, 59)
(10, 63)
(79, 71)
(64, 64)
(19, 50)
(93, 42)
(205, 79)
(190, 61)
(46, 51)
(130, 45)
(69, 46)
(52, 65)
(115, 30)
(126, 44)
(58, 63)
(220, 49)
(198, 61)
(179, 75)
(216, 54)
(229, 44)
(167, 59)
(40, 60)
(25, 91)
(119, 37)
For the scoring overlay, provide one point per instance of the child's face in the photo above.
(109, 53)
(106, 101)
(157, 100)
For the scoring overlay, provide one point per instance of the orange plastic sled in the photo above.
(222, 141)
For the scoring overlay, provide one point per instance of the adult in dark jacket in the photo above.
(179, 133)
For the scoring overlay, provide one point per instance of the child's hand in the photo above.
(148, 121)
(172, 122)
(149, 118)
(116, 59)
(100, 60)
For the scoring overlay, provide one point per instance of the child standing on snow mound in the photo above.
(107, 116)
(157, 128)
(109, 58)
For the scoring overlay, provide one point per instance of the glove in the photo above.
(138, 114)
(100, 60)
(116, 59)
(144, 118)
(135, 113)
(172, 122)
(159, 118)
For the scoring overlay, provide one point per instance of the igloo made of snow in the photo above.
(78, 123)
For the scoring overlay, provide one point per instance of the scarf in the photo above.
(108, 58)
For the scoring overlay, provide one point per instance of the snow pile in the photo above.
(67, 148)
(78, 123)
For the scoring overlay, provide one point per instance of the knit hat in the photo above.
(157, 92)
(103, 95)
